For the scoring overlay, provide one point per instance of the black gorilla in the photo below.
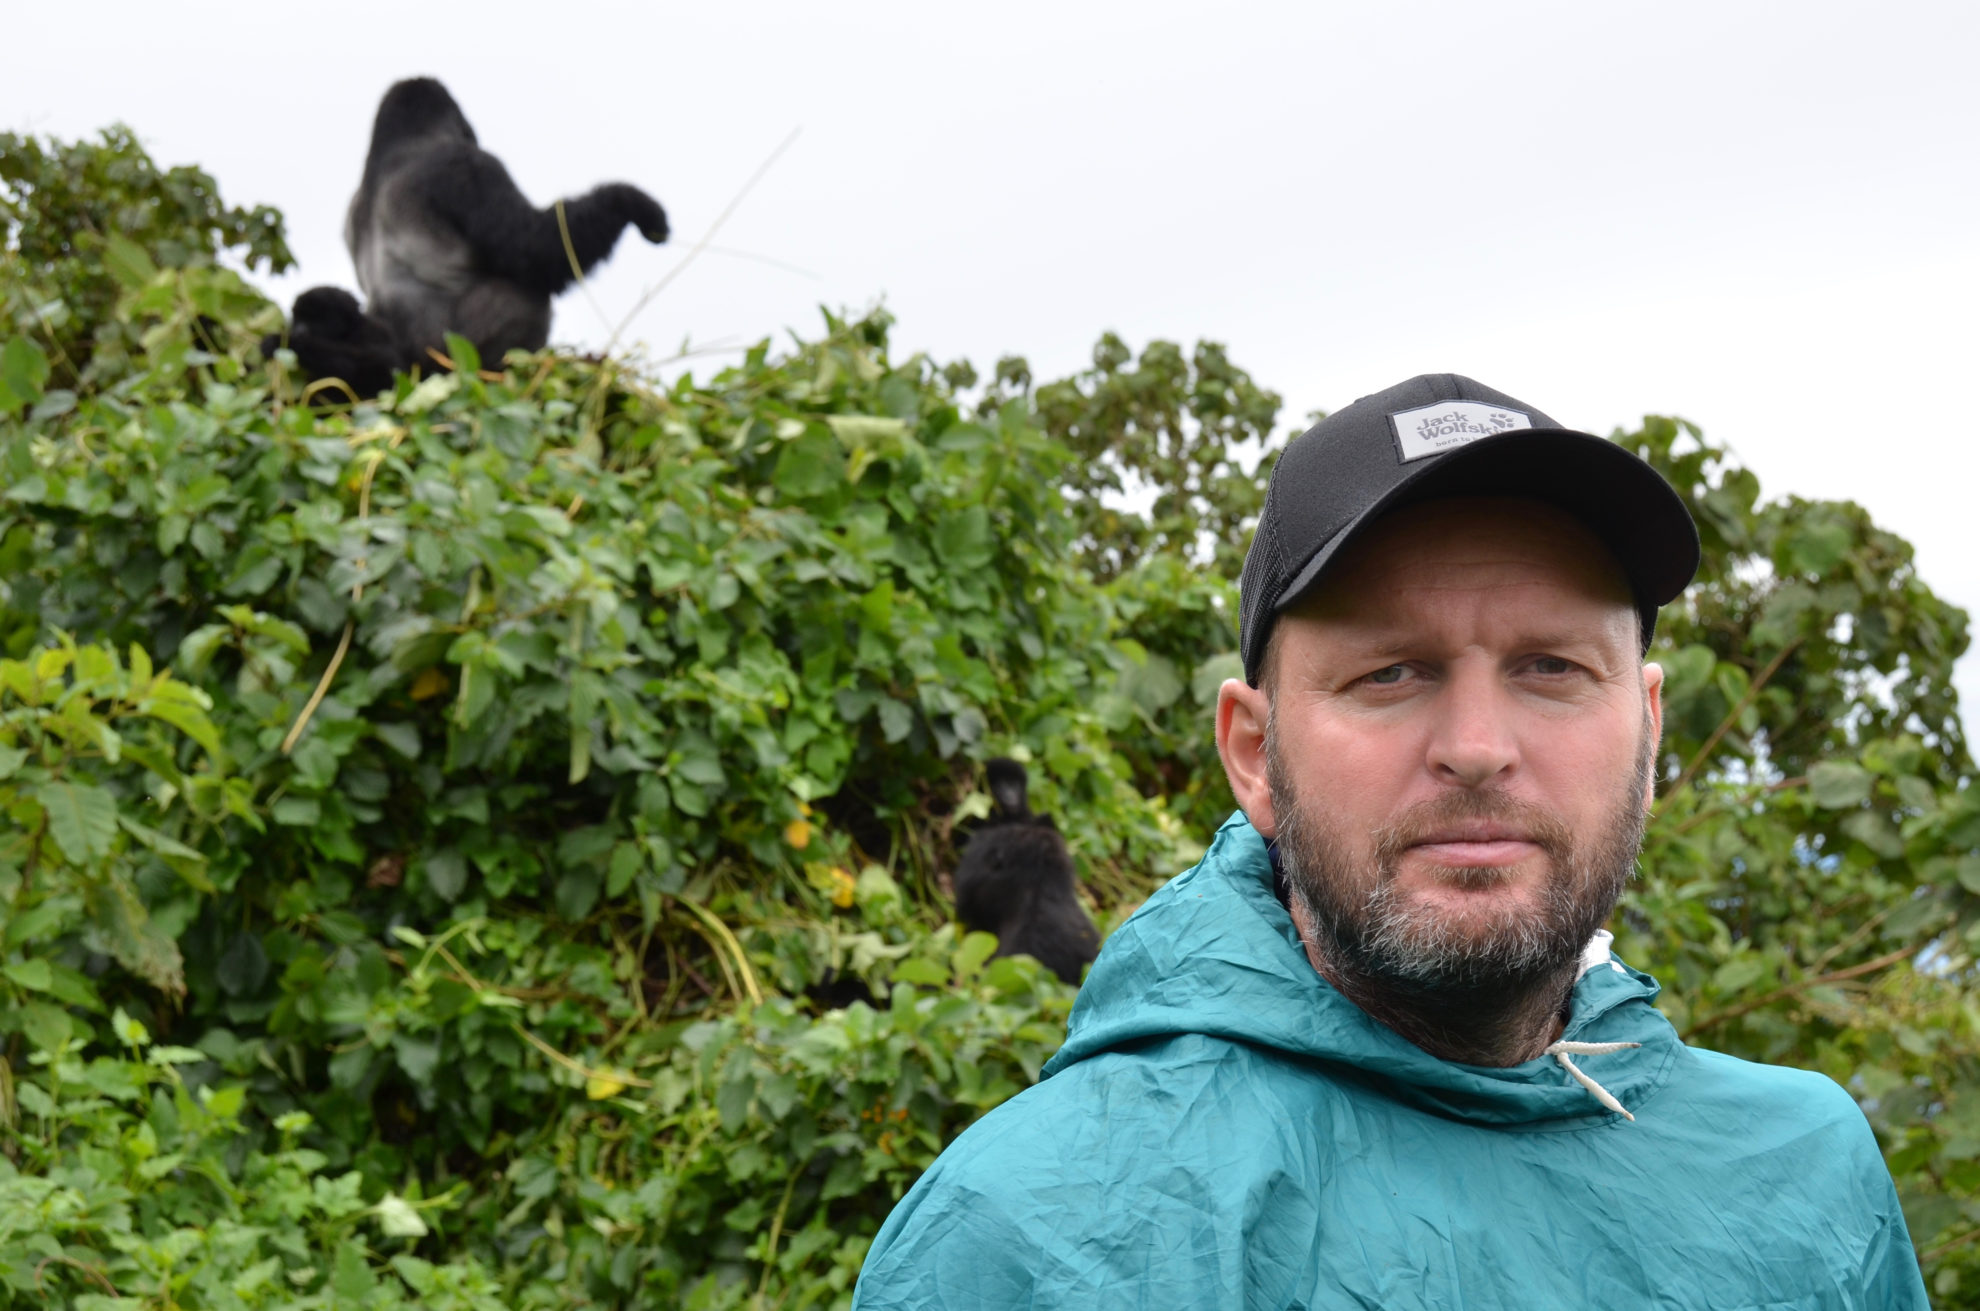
(444, 242)
(1016, 880)
(333, 337)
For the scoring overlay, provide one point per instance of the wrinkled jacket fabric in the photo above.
(1223, 1129)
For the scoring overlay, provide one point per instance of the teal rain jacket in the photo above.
(1223, 1129)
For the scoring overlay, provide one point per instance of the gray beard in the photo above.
(1466, 990)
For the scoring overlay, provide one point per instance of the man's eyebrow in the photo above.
(1396, 642)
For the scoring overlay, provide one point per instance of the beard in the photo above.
(1393, 951)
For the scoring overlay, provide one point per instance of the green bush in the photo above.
(544, 751)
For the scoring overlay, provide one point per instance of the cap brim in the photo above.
(1623, 501)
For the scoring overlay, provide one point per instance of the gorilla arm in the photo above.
(467, 189)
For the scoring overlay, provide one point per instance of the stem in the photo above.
(776, 1234)
(322, 689)
(721, 930)
(625, 1077)
(1753, 690)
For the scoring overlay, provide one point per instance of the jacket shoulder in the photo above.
(1117, 1172)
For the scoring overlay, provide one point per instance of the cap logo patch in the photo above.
(1447, 425)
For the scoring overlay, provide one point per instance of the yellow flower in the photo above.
(843, 884)
(798, 833)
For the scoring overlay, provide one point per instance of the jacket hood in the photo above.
(1215, 953)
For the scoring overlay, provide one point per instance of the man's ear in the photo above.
(1653, 693)
(1241, 714)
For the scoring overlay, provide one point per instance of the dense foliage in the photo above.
(444, 830)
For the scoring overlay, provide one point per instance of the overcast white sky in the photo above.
(1759, 216)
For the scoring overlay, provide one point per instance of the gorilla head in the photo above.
(415, 108)
(444, 242)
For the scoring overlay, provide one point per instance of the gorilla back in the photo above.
(1017, 880)
(444, 242)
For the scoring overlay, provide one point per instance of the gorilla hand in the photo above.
(637, 208)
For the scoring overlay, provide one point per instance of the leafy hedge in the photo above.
(445, 829)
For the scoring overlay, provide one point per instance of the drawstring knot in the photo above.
(1564, 1051)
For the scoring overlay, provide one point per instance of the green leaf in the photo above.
(577, 891)
(468, 361)
(396, 1216)
(32, 974)
(1819, 546)
(810, 466)
(297, 812)
(351, 1278)
(47, 1027)
(242, 968)
(170, 1055)
(127, 261)
(963, 540)
(42, 921)
(865, 429)
(1839, 784)
(446, 873)
(82, 818)
(118, 914)
(1154, 685)
(1209, 677)
(1876, 832)
(896, 720)
(429, 393)
(627, 861)
(918, 969)
(23, 369)
(1739, 973)
(418, 1056)
(976, 948)
(400, 736)
(130, 1032)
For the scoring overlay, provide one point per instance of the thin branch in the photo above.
(777, 1233)
(92, 1271)
(625, 1077)
(1753, 690)
(732, 253)
(322, 689)
(357, 594)
(713, 926)
(577, 269)
(1788, 990)
(1934, 1253)
(1862, 931)
(708, 237)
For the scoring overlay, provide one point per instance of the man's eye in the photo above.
(1391, 674)
(1552, 665)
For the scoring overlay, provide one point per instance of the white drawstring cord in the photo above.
(1560, 1052)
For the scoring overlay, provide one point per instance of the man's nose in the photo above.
(1473, 741)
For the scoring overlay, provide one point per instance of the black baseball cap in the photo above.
(1443, 435)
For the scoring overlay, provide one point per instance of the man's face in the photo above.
(1452, 744)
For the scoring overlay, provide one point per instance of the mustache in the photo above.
(1427, 820)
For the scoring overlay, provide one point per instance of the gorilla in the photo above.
(333, 337)
(444, 242)
(1016, 880)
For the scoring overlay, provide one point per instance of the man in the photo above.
(1373, 1050)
